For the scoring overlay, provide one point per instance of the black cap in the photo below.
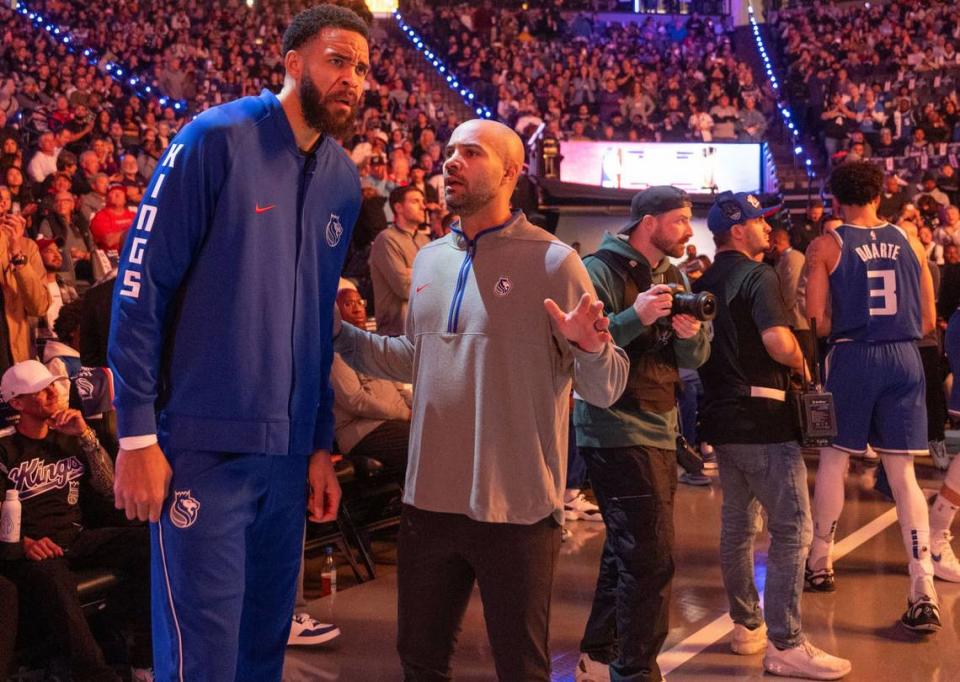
(655, 201)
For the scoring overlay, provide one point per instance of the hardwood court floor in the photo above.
(859, 621)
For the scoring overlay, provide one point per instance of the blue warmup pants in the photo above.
(225, 558)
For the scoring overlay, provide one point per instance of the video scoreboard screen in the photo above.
(698, 168)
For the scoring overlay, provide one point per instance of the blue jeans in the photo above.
(774, 475)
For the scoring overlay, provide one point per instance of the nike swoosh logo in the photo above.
(422, 287)
(264, 209)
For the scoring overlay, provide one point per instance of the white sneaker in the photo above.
(747, 642)
(709, 456)
(589, 670)
(305, 631)
(581, 509)
(945, 563)
(805, 661)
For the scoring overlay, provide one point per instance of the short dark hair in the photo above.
(722, 239)
(68, 319)
(311, 21)
(66, 159)
(399, 194)
(856, 183)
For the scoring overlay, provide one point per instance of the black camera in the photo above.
(702, 306)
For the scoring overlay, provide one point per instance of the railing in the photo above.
(452, 80)
(118, 72)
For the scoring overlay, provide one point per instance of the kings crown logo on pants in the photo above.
(184, 510)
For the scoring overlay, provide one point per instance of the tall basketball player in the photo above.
(870, 290)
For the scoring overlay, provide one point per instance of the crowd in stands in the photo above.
(876, 80)
(880, 82)
(586, 79)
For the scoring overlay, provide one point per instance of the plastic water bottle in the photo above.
(10, 518)
(328, 573)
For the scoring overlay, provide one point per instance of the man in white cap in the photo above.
(46, 460)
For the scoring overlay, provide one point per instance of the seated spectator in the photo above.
(933, 250)
(371, 416)
(725, 118)
(418, 175)
(96, 198)
(948, 182)
(110, 224)
(893, 198)
(700, 124)
(83, 178)
(391, 259)
(376, 177)
(57, 539)
(22, 199)
(130, 178)
(887, 146)
(949, 230)
(44, 161)
(24, 291)
(928, 187)
(67, 226)
(751, 124)
(60, 291)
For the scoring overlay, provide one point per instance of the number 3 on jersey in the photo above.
(887, 291)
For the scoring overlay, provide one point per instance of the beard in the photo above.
(318, 115)
(674, 249)
(470, 200)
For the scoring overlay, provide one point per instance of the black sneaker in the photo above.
(821, 580)
(922, 616)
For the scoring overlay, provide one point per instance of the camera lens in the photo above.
(702, 306)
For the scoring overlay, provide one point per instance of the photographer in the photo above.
(747, 417)
(630, 448)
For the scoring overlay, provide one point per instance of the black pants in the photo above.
(439, 558)
(387, 444)
(8, 625)
(628, 623)
(48, 589)
(936, 400)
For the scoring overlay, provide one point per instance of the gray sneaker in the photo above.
(938, 451)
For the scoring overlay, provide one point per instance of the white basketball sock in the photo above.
(914, 522)
(827, 505)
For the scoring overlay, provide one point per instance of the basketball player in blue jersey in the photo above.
(221, 347)
(870, 290)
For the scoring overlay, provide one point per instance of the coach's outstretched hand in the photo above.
(586, 326)
(141, 483)
(324, 498)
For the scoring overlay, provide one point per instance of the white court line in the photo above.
(693, 645)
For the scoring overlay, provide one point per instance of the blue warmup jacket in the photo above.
(222, 313)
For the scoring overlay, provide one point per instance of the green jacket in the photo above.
(611, 427)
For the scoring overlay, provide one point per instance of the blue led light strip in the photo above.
(114, 70)
(447, 74)
(782, 106)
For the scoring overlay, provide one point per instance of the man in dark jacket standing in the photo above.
(261, 192)
(630, 447)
